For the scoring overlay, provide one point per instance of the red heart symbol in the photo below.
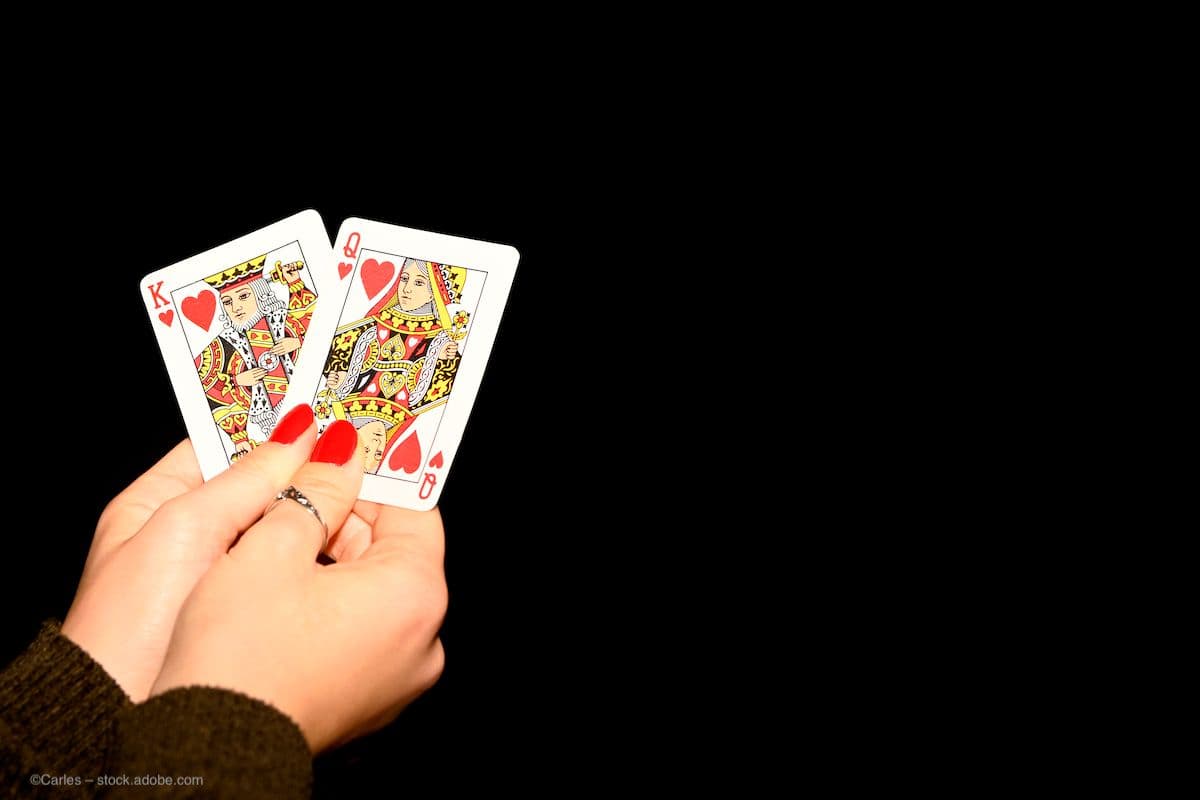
(200, 309)
(437, 461)
(407, 456)
(167, 316)
(344, 269)
(375, 276)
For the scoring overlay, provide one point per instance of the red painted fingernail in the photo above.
(292, 425)
(336, 444)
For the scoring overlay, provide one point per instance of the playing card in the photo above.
(409, 328)
(231, 323)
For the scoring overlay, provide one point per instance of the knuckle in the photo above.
(419, 611)
(112, 511)
(316, 485)
(257, 470)
(430, 604)
(439, 600)
(434, 666)
(174, 514)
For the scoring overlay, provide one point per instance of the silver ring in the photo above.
(292, 493)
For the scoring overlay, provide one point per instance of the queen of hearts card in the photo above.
(399, 361)
(404, 335)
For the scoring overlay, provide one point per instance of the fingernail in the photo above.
(292, 425)
(337, 444)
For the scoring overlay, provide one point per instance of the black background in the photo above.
(536, 637)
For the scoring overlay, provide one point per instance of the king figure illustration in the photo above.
(245, 369)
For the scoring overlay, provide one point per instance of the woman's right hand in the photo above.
(339, 648)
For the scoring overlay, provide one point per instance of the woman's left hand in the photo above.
(155, 541)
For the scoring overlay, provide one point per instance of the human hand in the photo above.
(450, 350)
(287, 344)
(339, 648)
(334, 378)
(248, 377)
(158, 537)
(241, 448)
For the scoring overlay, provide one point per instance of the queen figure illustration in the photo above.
(399, 361)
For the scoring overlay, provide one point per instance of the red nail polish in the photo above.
(336, 444)
(292, 425)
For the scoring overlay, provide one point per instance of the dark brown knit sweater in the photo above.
(67, 729)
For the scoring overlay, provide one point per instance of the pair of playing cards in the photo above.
(390, 330)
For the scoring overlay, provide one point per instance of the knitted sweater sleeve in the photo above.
(58, 711)
(206, 742)
(68, 730)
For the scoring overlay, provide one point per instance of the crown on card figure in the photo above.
(387, 411)
(235, 276)
(450, 281)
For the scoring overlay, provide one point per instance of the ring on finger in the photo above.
(292, 493)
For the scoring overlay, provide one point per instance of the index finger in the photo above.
(175, 474)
